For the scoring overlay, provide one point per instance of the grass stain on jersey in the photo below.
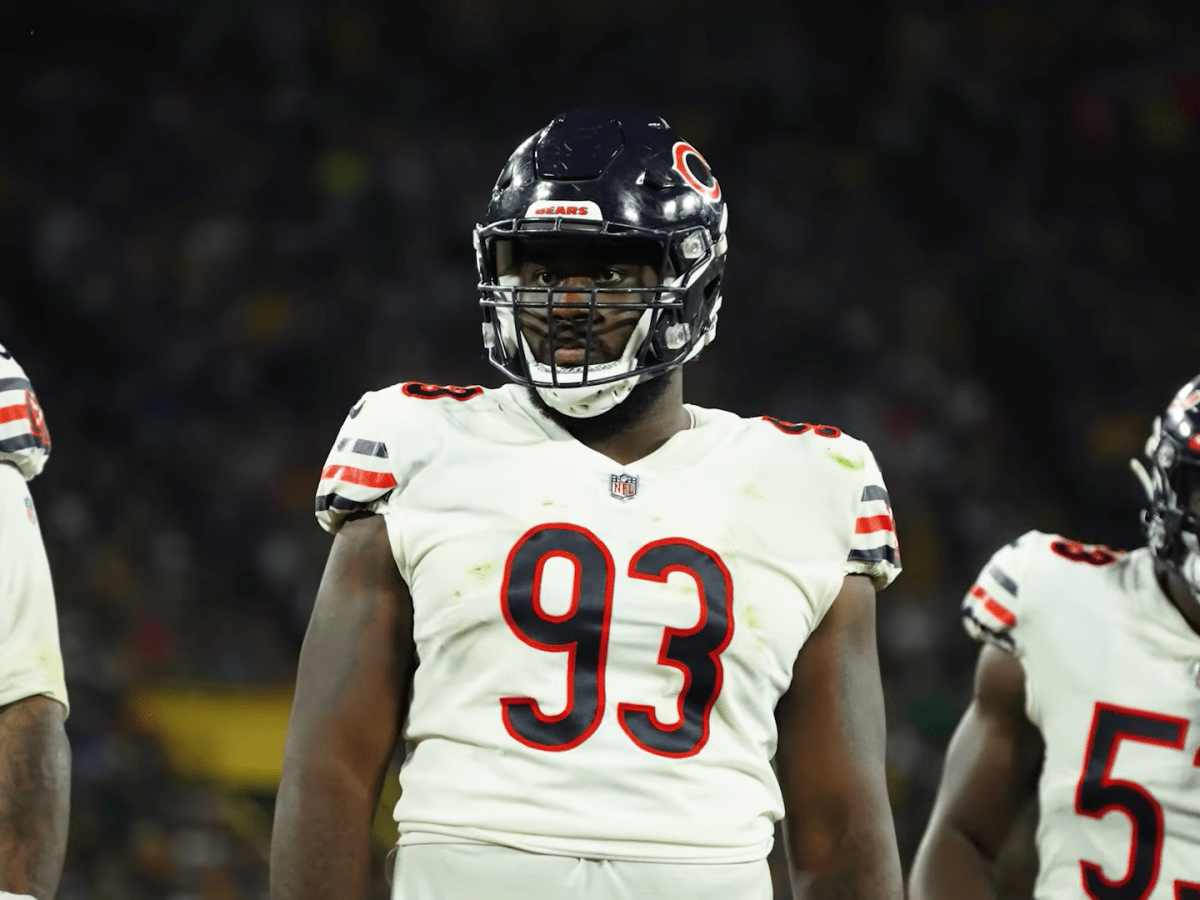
(753, 493)
(846, 461)
(749, 616)
(480, 571)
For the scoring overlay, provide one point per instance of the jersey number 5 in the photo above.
(1098, 794)
(582, 633)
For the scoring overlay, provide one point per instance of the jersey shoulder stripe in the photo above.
(874, 545)
(351, 475)
(363, 448)
(24, 436)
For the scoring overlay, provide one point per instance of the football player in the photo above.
(35, 759)
(1087, 692)
(599, 613)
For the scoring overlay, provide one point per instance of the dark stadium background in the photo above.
(962, 232)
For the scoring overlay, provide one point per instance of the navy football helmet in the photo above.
(617, 180)
(1173, 451)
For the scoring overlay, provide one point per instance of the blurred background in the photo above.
(965, 237)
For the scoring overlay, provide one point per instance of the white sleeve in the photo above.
(30, 659)
(874, 549)
(996, 606)
(357, 477)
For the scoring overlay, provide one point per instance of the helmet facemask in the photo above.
(524, 324)
(1171, 528)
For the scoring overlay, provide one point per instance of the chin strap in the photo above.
(1144, 477)
(584, 401)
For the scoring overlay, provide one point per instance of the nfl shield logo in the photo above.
(623, 487)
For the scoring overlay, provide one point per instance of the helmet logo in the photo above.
(697, 173)
(567, 209)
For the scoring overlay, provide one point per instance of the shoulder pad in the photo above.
(871, 545)
(386, 435)
(1005, 596)
(993, 609)
(24, 437)
(357, 477)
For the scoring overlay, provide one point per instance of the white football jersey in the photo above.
(601, 647)
(1112, 676)
(30, 660)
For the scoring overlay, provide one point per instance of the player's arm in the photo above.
(35, 757)
(353, 677)
(830, 760)
(35, 790)
(990, 775)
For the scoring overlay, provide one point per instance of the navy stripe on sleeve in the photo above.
(1002, 579)
(364, 448)
(337, 501)
(875, 492)
(1003, 638)
(875, 554)
(21, 442)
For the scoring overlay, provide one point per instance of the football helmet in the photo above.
(1173, 451)
(615, 180)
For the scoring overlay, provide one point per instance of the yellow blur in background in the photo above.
(233, 737)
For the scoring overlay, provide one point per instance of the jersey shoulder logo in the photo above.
(37, 419)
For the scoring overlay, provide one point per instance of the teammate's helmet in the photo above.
(1173, 450)
(617, 179)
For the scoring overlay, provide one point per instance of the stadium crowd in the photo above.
(964, 239)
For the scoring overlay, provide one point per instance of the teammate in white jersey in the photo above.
(34, 754)
(1087, 692)
(599, 613)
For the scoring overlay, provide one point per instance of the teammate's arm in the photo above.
(35, 756)
(35, 790)
(354, 672)
(831, 759)
(990, 774)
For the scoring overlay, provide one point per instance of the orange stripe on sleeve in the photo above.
(992, 605)
(12, 413)
(366, 478)
(867, 524)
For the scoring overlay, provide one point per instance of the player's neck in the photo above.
(1179, 595)
(644, 435)
(635, 428)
